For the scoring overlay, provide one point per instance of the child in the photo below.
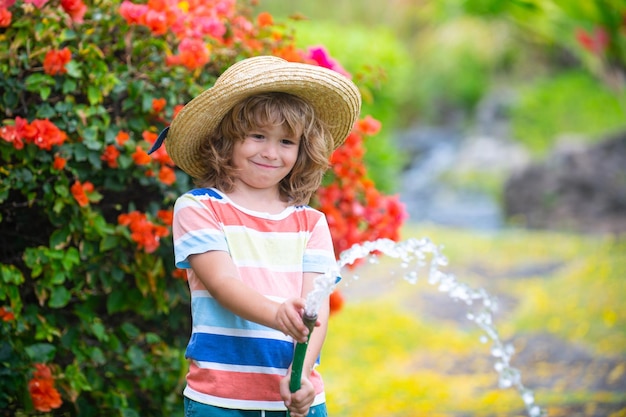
(257, 144)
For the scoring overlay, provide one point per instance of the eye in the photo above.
(257, 136)
(288, 142)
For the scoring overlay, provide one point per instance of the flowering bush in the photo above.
(93, 314)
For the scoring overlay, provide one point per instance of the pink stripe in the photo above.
(240, 385)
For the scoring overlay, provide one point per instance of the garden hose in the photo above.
(299, 354)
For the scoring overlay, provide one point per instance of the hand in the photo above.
(299, 402)
(289, 319)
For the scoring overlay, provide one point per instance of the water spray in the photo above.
(324, 286)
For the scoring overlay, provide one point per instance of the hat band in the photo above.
(159, 141)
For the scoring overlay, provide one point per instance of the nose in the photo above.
(270, 150)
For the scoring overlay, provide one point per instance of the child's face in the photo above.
(265, 156)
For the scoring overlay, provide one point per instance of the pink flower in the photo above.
(320, 55)
(75, 9)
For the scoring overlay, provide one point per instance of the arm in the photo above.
(218, 273)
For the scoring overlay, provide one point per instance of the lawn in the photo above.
(402, 349)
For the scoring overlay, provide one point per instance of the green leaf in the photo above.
(97, 356)
(71, 258)
(73, 69)
(69, 85)
(41, 352)
(44, 92)
(116, 302)
(59, 238)
(11, 275)
(131, 331)
(109, 242)
(59, 297)
(94, 95)
(99, 331)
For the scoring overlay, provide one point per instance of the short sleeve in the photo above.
(319, 255)
(195, 229)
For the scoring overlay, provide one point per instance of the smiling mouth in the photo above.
(265, 165)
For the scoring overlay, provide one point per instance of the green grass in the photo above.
(383, 357)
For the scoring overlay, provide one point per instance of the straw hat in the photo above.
(334, 97)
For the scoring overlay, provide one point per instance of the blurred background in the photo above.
(504, 133)
(472, 92)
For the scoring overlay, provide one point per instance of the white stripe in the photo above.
(206, 294)
(243, 404)
(235, 404)
(265, 334)
(240, 368)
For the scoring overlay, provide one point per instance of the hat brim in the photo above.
(334, 98)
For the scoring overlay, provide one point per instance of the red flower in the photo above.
(166, 216)
(44, 134)
(110, 156)
(595, 42)
(80, 191)
(75, 9)
(122, 137)
(145, 233)
(180, 274)
(141, 157)
(6, 315)
(336, 302)
(59, 163)
(42, 391)
(55, 60)
(5, 18)
(167, 175)
(158, 104)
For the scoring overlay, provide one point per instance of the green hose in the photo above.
(299, 354)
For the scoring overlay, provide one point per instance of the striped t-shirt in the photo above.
(235, 363)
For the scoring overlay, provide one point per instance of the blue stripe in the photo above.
(240, 350)
(201, 243)
(208, 312)
(205, 191)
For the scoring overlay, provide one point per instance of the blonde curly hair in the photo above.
(265, 110)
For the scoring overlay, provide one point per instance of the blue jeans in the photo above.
(196, 409)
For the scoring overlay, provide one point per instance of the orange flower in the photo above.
(166, 216)
(80, 191)
(368, 126)
(59, 163)
(192, 54)
(6, 315)
(167, 175)
(336, 302)
(122, 137)
(141, 157)
(158, 104)
(110, 156)
(265, 19)
(55, 60)
(177, 109)
(42, 391)
(145, 233)
(180, 274)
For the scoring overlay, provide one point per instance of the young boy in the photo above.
(257, 144)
